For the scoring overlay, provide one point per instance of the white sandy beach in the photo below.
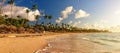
(24, 44)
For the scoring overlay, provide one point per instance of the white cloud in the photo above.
(20, 11)
(81, 13)
(59, 20)
(65, 13)
(117, 12)
(102, 24)
(70, 10)
(114, 28)
(76, 23)
(70, 22)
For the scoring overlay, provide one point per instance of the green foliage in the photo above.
(34, 7)
(11, 2)
(27, 11)
(18, 22)
(48, 17)
(2, 20)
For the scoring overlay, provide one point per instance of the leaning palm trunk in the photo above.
(11, 9)
(1, 10)
(27, 16)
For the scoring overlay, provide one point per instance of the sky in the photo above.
(98, 14)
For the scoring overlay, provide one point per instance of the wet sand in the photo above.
(81, 44)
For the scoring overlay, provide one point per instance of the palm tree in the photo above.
(6, 16)
(34, 7)
(36, 17)
(48, 17)
(63, 25)
(27, 11)
(3, 1)
(11, 2)
(42, 23)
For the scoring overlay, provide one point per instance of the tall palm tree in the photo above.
(36, 17)
(6, 16)
(3, 1)
(34, 7)
(27, 11)
(11, 2)
(49, 17)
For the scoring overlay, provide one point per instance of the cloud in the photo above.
(20, 11)
(70, 22)
(65, 13)
(114, 28)
(59, 20)
(76, 23)
(117, 12)
(101, 24)
(70, 10)
(81, 13)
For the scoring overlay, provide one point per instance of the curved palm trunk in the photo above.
(27, 15)
(11, 10)
(36, 22)
(23, 22)
(1, 11)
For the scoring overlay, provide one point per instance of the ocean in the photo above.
(84, 43)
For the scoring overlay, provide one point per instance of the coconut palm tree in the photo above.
(11, 2)
(36, 17)
(3, 1)
(27, 11)
(63, 25)
(34, 7)
(48, 17)
(6, 16)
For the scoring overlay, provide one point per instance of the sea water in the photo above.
(84, 43)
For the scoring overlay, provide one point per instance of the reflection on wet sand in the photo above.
(82, 44)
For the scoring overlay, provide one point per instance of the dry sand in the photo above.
(25, 44)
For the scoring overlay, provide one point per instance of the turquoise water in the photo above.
(85, 43)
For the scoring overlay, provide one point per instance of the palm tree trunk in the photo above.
(23, 22)
(1, 11)
(27, 15)
(36, 22)
(11, 10)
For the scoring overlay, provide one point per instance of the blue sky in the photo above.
(102, 12)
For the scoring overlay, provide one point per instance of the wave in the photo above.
(111, 40)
